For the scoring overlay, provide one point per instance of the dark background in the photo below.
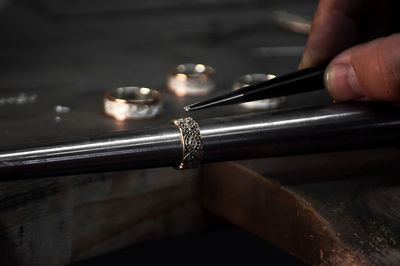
(229, 246)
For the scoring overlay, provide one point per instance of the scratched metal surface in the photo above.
(71, 59)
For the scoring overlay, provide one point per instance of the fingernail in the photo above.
(341, 83)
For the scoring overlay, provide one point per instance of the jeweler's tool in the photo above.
(304, 80)
(186, 143)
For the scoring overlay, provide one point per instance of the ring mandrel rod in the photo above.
(309, 130)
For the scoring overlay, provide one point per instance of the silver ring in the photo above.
(192, 145)
(251, 79)
(132, 103)
(191, 79)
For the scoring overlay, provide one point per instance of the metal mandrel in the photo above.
(308, 130)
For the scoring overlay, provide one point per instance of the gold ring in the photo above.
(192, 144)
(191, 79)
(132, 103)
(251, 79)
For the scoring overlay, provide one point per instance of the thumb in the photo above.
(369, 71)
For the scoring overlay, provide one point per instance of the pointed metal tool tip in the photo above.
(187, 108)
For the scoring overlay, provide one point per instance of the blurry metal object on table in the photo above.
(291, 21)
(132, 103)
(250, 79)
(191, 79)
(308, 130)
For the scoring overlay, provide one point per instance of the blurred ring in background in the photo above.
(191, 79)
(132, 103)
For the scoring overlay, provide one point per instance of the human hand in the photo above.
(362, 66)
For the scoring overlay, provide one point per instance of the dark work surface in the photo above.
(65, 57)
(230, 246)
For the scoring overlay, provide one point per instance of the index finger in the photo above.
(334, 29)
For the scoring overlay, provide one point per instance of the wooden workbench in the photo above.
(327, 209)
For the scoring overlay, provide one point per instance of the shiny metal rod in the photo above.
(309, 130)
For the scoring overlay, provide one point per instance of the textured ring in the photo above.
(192, 145)
(132, 103)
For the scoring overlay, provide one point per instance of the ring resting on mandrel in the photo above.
(192, 145)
